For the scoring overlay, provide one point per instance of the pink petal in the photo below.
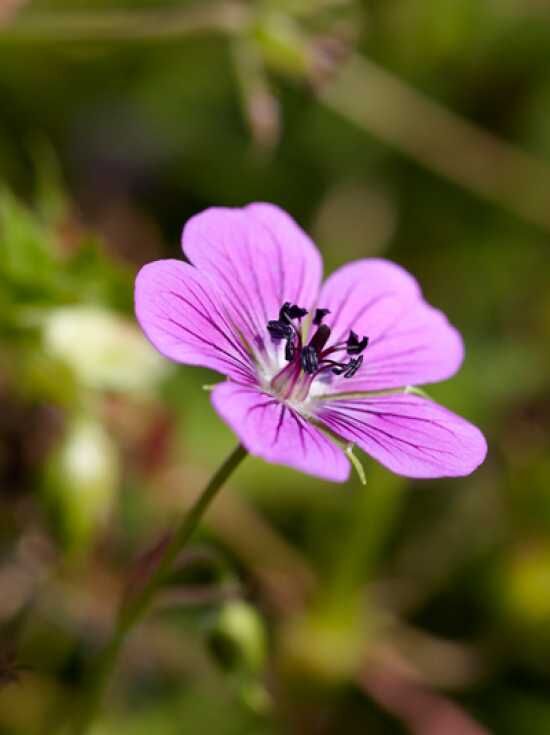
(422, 347)
(410, 435)
(410, 342)
(259, 258)
(276, 433)
(366, 295)
(178, 310)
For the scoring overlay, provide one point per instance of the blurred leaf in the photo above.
(116, 356)
(27, 261)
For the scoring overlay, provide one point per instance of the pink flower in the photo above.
(305, 362)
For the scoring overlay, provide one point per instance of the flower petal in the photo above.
(259, 258)
(421, 348)
(410, 435)
(365, 296)
(410, 342)
(271, 430)
(179, 311)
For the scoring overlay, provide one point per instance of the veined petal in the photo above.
(410, 435)
(366, 296)
(422, 347)
(273, 431)
(259, 258)
(179, 311)
(410, 342)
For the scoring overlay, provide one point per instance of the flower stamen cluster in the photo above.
(308, 361)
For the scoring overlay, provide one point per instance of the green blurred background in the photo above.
(417, 130)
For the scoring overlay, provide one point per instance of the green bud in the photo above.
(239, 638)
(81, 479)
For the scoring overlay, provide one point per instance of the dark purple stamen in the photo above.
(349, 369)
(279, 329)
(313, 357)
(320, 338)
(353, 366)
(290, 351)
(289, 311)
(320, 314)
(354, 345)
(310, 359)
(283, 328)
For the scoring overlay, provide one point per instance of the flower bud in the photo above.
(81, 478)
(238, 637)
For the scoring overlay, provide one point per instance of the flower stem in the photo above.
(132, 613)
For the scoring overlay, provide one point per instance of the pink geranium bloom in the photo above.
(308, 364)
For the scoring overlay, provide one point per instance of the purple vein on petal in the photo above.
(362, 311)
(213, 324)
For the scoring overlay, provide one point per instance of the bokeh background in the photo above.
(417, 130)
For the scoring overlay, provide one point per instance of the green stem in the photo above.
(133, 612)
(126, 24)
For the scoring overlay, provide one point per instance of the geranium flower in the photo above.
(309, 368)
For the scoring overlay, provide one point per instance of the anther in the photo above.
(320, 338)
(320, 314)
(310, 359)
(279, 329)
(290, 350)
(353, 366)
(354, 345)
(348, 369)
(290, 311)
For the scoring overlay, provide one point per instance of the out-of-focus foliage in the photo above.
(301, 607)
